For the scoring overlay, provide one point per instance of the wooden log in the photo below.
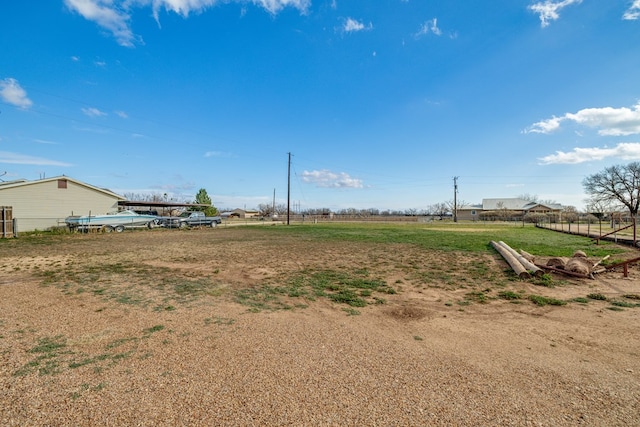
(511, 260)
(527, 255)
(568, 273)
(603, 259)
(531, 267)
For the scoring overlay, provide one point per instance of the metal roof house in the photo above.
(514, 206)
(45, 203)
(242, 213)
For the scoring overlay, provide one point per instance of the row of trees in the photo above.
(614, 188)
(281, 209)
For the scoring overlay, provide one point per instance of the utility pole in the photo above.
(455, 199)
(289, 188)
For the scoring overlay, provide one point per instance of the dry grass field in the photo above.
(254, 326)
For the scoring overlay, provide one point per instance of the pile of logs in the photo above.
(519, 263)
(523, 263)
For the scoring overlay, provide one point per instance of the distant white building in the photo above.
(45, 203)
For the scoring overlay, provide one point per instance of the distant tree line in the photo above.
(610, 191)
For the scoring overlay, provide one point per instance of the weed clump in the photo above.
(542, 301)
(508, 295)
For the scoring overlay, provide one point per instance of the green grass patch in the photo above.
(542, 301)
(625, 304)
(151, 330)
(261, 298)
(508, 295)
(477, 296)
(226, 321)
(545, 280)
(466, 237)
(53, 355)
(353, 288)
(581, 300)
(50, 353)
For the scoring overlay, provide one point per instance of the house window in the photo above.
(473, 212)
(62, 183)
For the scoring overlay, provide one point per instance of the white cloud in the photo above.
(181, 7)
(430, 26)
(545, 126)
(351, 25)
(122, 114)
(633, 13)
(21, 159)
(222, 154)
(108, 15)
(327, 179)
(548, 10)
(11, 92)
(275, 6)
(624, 151)
(609, 121)
(93, 112)
(185, 7)
(115, 15)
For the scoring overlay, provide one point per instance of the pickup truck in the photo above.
(189, 219)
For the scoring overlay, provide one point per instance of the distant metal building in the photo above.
(244, 213)
(45, 203)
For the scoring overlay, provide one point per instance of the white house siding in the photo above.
(39, 205)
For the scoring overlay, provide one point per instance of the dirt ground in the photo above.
(207, 327)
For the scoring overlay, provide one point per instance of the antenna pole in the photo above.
(455, 199)
(289, 189)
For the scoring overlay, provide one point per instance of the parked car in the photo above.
(189, 219)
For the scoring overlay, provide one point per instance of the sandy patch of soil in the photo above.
(222, 327)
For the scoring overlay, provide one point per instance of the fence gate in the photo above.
(6, 221)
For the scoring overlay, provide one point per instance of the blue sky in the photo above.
(381, 103)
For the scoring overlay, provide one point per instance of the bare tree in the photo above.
(265, 209)
(281, 208)
(147, 197)
(439, 209)
(530, 197)
(600, 209)
(620, 183)
(570, 214)
(454, 207)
